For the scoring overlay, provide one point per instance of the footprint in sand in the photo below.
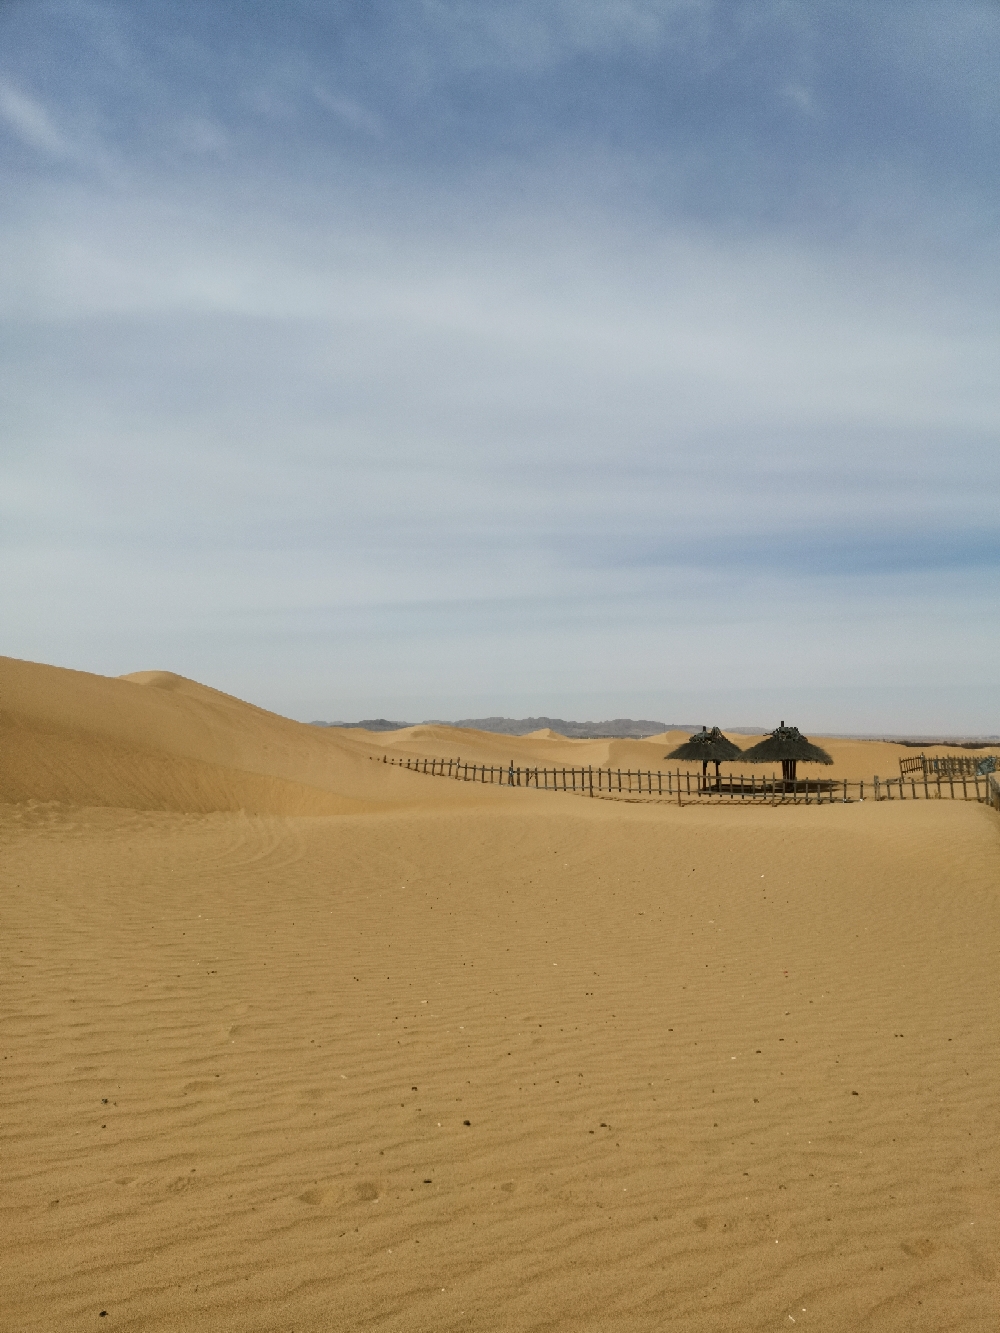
(313, 1196)
(918, 1249)
(701, 1223)
(367, 1191)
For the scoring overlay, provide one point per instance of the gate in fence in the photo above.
(684, 787)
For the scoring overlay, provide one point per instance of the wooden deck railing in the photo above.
(683, 786)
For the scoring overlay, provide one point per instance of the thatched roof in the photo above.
(786, 743)
(707, 747)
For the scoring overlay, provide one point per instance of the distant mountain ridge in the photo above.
(368, 724)
(627, 728)
(619, 728)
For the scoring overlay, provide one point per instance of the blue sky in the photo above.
(441, 359)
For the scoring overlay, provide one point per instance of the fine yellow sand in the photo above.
(293, 1040)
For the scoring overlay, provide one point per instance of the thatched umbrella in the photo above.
(788, 746)
(708, 747)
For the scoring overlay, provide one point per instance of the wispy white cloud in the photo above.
(537, 34)
(30, 121)
(349, 111)
(202, 136)
(800, 96)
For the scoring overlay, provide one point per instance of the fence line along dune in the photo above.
(296, 1038)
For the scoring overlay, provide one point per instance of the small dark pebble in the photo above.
(104, 1101)
(855, 1094)
(102, 1314)
(428, 1182)
(466, 1122)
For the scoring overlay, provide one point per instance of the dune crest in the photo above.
(82, 739)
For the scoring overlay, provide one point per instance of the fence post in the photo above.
(590, 775)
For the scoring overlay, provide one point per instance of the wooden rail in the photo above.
(945, 766)
(684, 787)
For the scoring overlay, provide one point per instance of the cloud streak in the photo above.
(30, 121)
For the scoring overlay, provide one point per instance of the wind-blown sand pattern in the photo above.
(292, 1040)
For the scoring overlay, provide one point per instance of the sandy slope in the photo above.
(722, 1068)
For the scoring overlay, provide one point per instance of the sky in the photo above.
(580, 358)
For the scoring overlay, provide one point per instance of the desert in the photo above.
(297, 1039)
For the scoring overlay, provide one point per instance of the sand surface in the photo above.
(722, 1068)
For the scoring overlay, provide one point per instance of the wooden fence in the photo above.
(684, 787)
(950, 765)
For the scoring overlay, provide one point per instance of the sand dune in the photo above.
(476, 1058)
(154, 740)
